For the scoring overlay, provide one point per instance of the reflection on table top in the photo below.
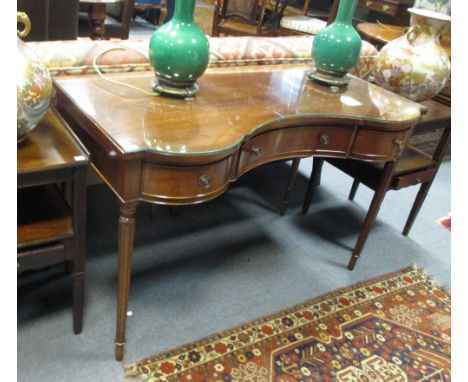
(230, 105)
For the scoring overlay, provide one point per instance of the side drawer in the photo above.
(378, 146)
(40, 257)
(380, 6)
(185, 184)
(278, 144)
(412, 179)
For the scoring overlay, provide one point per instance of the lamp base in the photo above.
(185, 90)
(328, 78)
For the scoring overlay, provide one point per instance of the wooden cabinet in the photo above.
(51, 170)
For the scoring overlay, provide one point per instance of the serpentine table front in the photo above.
(176, 152)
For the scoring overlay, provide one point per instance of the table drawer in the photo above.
(412, 179)
(40, 257)
(309, 140)
(388, 8)
(378, 146)
(181, 184)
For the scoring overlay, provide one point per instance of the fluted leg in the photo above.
(126, 237)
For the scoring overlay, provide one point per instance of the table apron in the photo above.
(177, 184)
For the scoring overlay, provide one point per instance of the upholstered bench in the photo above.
(76, 57)
(303, 23)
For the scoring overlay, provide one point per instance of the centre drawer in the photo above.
(302, 140)
(185, 184)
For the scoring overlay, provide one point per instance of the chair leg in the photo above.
(354, 188)
(373, 211)
(291, 180)
(424, 189)
(418, 202)
(314, 182)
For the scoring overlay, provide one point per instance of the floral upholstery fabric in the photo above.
(76, 57)
(303, 23)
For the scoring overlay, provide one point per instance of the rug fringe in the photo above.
(434, 283)
(133, 371)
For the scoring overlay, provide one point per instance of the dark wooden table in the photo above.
(169, 151)
(51, 228)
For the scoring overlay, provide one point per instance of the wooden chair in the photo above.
(414, 167)
(242, 18)
(154, 11)
(117, 22)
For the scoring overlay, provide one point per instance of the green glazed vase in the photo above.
(336, 48)
(179, 52)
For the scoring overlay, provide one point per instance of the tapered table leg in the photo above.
(291, 180)
(379, 195)
(79, 257)
(314, 182)
(126, 236)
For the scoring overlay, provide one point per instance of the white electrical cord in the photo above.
(98, 71)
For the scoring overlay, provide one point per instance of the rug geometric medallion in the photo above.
(393, 328)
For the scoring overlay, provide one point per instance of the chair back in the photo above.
(122, 12)
(248, 10)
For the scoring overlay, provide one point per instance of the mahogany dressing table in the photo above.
(173, 152)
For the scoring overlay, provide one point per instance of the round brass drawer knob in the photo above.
(324, 139)
(399, 143)
(255, 151)
(204, 181)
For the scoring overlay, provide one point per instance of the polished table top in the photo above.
(230, 105)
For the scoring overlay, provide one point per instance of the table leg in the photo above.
(79, 253)
(126, 236)
(373, 211)
(97, 16)
(291, 179)
(314, 182)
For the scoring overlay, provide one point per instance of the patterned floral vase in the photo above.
(179, 52)
(416, 65)
(33, 85)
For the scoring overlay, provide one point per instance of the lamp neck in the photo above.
(183, 10)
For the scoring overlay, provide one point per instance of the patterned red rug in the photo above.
(392, 328)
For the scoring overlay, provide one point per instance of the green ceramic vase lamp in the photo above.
(179, 53)
(336, 48)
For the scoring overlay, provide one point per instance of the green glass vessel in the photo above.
(179, 52)
(336, 48)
